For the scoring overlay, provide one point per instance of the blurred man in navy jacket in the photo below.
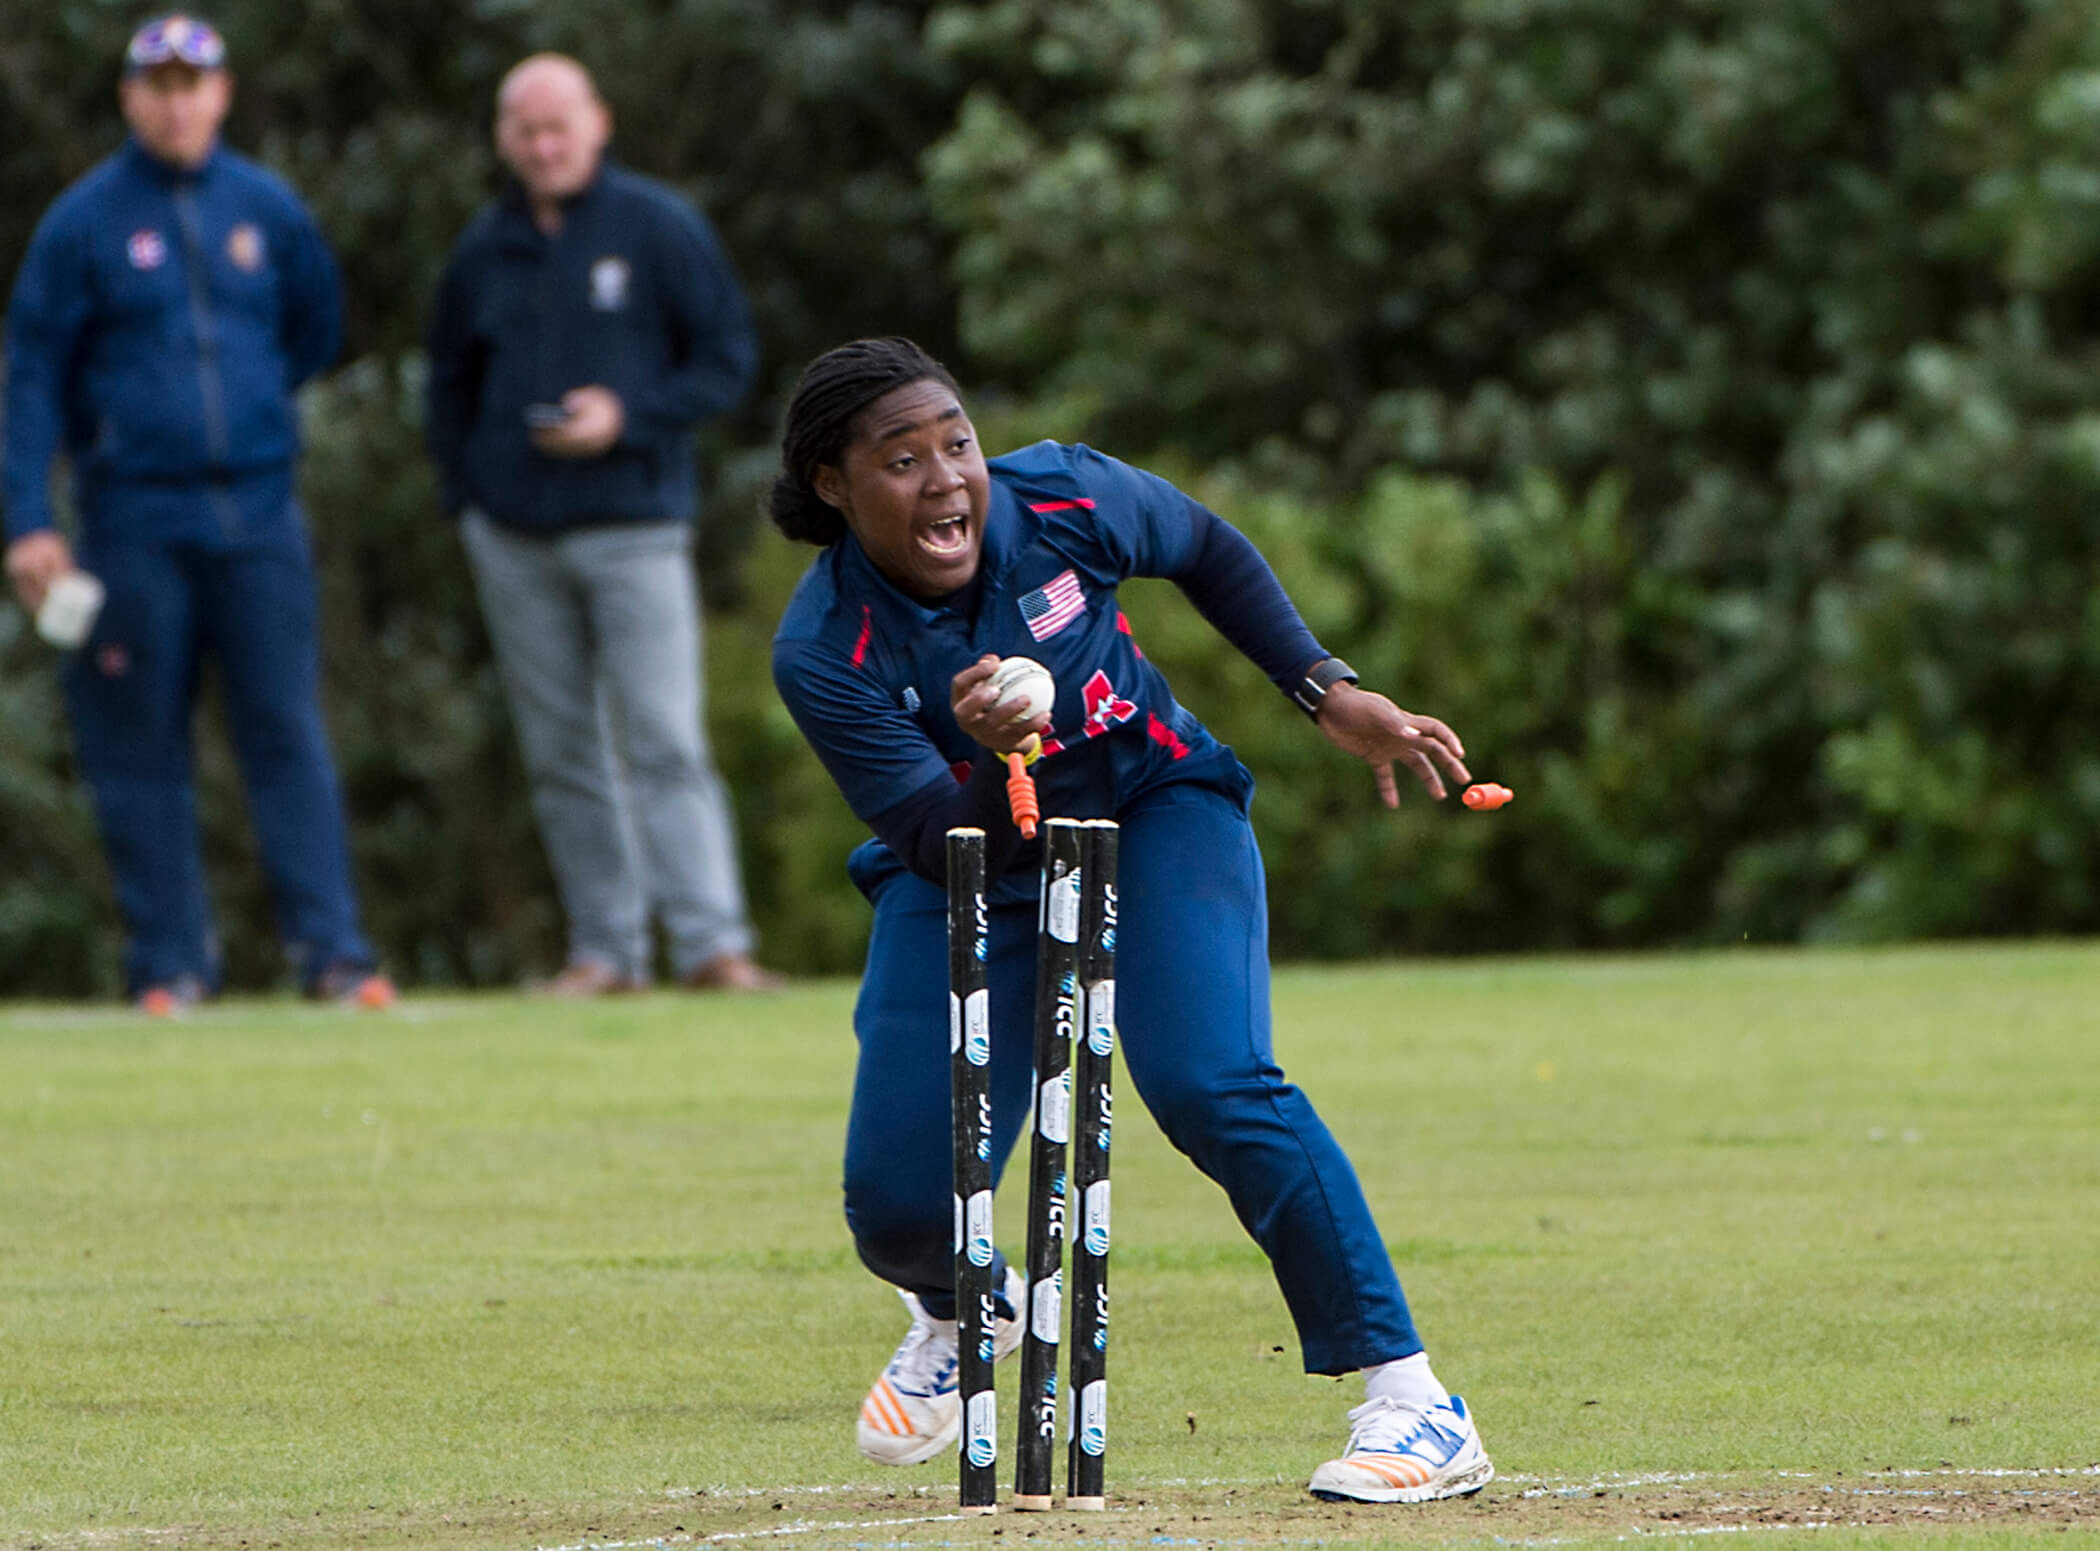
(169, 305)
(586, 322)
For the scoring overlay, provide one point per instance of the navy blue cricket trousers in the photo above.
(131, 692)
(1192, 1009)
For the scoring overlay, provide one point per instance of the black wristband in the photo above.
(1320, 678)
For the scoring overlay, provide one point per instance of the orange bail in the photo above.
(1486, 795)
(1020, 796)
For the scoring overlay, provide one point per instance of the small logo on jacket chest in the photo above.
(609, 284)
(147, 249)
(244, 246)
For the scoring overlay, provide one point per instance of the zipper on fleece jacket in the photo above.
(210, 385)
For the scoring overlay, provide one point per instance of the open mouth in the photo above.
(948, 537)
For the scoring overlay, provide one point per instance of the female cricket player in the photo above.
(935, 564)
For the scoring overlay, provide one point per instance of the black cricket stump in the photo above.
(969, 1064)
(1092, 1063)
(1056, 1018)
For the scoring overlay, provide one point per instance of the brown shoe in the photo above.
(587, 978)
(733, 972)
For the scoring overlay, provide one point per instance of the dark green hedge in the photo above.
(1698, 403)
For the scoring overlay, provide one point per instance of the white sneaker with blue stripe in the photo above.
(1398, 1454)
(914, 1410)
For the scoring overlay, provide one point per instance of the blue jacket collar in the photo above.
(518, 205)
(143, 161)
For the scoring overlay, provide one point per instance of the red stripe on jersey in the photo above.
(961, 771)
(1166, 736)
(867, 631)
(1084, 502)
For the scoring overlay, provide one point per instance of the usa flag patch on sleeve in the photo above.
(1053, 605)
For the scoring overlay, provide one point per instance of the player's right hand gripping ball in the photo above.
(1485, 794)
(1022, 687)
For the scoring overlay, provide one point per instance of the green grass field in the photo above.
(1710, 1242)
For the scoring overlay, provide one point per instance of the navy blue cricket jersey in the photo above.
(865, 670)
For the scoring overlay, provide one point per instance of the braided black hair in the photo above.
(834, 389)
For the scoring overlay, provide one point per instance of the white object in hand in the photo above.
(68, 612)
(1022, 687)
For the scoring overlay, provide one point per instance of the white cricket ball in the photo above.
(1021, 686)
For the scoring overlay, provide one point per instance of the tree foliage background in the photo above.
(1697, 402)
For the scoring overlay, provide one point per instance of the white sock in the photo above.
(1407, 1380)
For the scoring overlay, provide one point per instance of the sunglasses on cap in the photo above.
(175, 40)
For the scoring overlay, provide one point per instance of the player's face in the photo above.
(176, 110)
(913, 489)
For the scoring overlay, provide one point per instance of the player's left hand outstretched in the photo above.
(1363, 723)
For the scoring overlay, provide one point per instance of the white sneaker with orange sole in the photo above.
(1398, 1454)
(914, 1410)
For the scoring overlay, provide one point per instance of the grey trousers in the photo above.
(598, 640)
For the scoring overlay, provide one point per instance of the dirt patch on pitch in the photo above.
(1509, 1511)
(1515, 1511)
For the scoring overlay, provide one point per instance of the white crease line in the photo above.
(1536, 1486)
(1956, 1470)
(802, 1527)
(1545, 1486)
(1162, 1484)
(1723, 1529)
(1664, 1534)
(777, 1491)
